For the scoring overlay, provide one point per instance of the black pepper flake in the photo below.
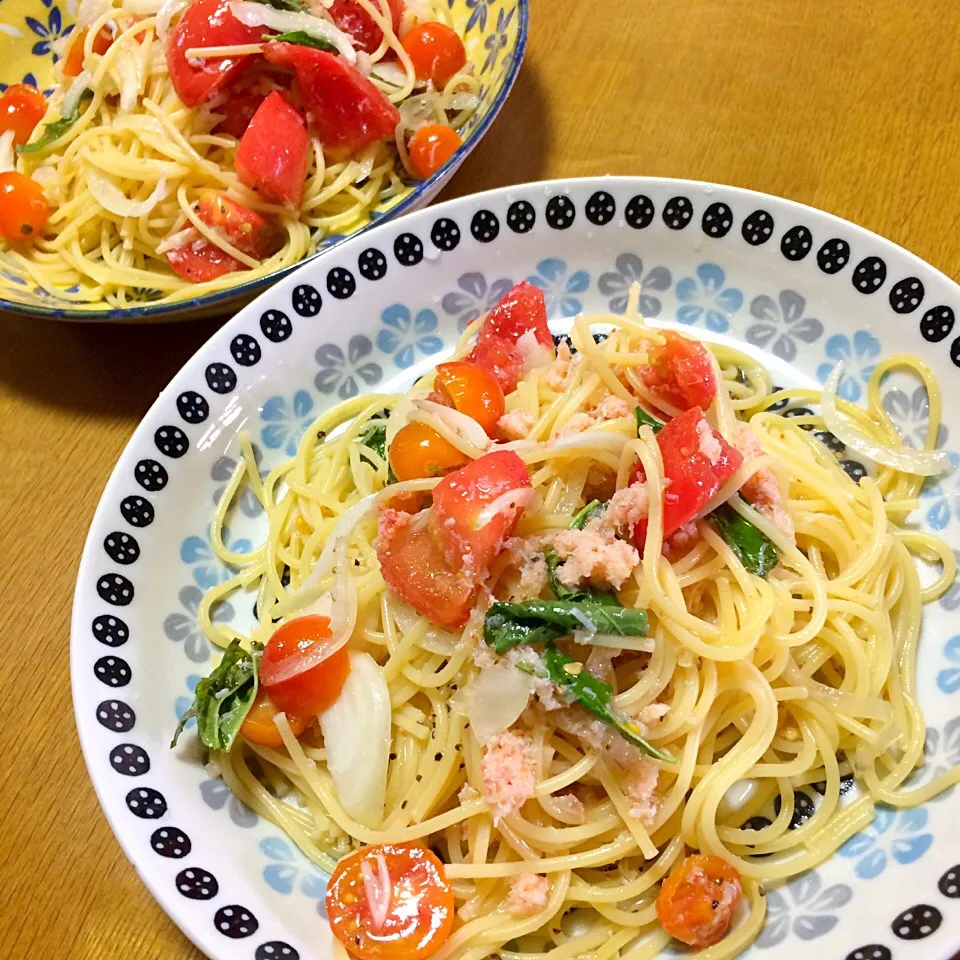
(716, 903)
(466, 726)
(393, 756)
(438, 756)
(403, 806)
(453, 686)
(419, 777)
(356, 563)
(321, 434)
(458, 747)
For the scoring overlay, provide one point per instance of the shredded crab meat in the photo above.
(609, 408)
(640, 785)
(528, 894)
(762, 490)
(515, 425)
(595, 554)
(509, 773)
(563, 368)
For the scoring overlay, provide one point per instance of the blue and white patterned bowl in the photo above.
(798, 287)
(495, 36)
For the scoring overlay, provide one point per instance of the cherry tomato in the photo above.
(245, 228)
(436, 51)
(312, 691)
(351, 18)
(681, 373)
(258, 726)
(419, 913)
(21, 108)
(23, 208)
(521, 310)
(697, 901)
(419, 451)
(73, 62)
(431, 147)
(413, 566)
(471, 390)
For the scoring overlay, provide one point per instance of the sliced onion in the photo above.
(496, 698)
(177, 239)
(534, 353)
(852, 704)
(737, 795)
(518, 499)
(286, 21)
(168, 10)
(131, 80)
(356, 737)
(71, 99)
(919, 463)
(90, 11)
(419, 110)
(378, 889)
(6, 151)
(389, 72)
(365, 162)
(633, 644)
(464, 426)
(588, 624)
(464, 101)
(111, 198)
(613, 442)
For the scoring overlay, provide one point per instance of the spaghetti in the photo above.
(753, 684)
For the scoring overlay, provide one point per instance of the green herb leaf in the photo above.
(593, 509)
(594, 695)
(222, 700)
(300, 37)
(54, 131)
(374, 436)
(645, 420)
(583, 595)
(753, 549)
(294, 5)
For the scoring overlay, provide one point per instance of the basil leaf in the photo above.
(594, 695)
(583, 595)
(299, 37)
(583, 517)
(54, 131)
(223, 699)
(645, 420)
(375, 437)
(753, 549)
(503, 631)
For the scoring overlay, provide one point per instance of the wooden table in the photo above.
(850, 106)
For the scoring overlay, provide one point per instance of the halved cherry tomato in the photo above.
(351, 18)
(431, 147)
(73, 62)
(238, 113)
(681, 373)
(521, 310)
(697, 901)
(258, 725)
(467, 540)
(420, 903)
(413, 566)
(274, 152)
(207, 23)
(697, 461)
(23, 208)
(200, 260)
(21, 108)
(346, 111)
(501, 358)
(436, 51)
(312, 691)
(471, 390)
(419, 451)
(244, 228)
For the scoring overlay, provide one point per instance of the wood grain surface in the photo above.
(849, 106)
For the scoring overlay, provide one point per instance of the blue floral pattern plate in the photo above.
(798, 287)
(495, 37)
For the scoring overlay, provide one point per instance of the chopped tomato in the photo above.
(502, 358)
(413, 566)
(23, 208)
(436, 51)
(521, 310)
(471, 390)
(249, 232)
(21, 108)
(697, 901)
(346, 111)
(351, 18)
(207, 23)
(681, 373)
(73, 62)
(238, 113)
(258, 726)
(274, 153)
(200, 260)
(431, 147)
(697, 461)
(419, 451)
(467, 537)
(315, 688)
(414, 895)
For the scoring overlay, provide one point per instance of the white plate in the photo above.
(801, 288)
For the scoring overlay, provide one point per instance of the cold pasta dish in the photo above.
(553, 650)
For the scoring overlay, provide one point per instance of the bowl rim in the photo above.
(436, 182)
(110, 805)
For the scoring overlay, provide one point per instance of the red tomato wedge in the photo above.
(697, 901)
(413, 898)
(274, 152)
(697, 461)
(681, 373)
(249, 232)
(468, 537)
(346, 111)
(414, 567)
(311, 689)
(501, 358)
(351, 18)
(238, 114)
(200, 260)
(207, 23)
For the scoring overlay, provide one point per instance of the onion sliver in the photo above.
(919, 463)
(168, 10)
(111, 198)
(288, 21)
(518, 499)
(464, 426)
(496, 698)
(6, 151)
(71, 99)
